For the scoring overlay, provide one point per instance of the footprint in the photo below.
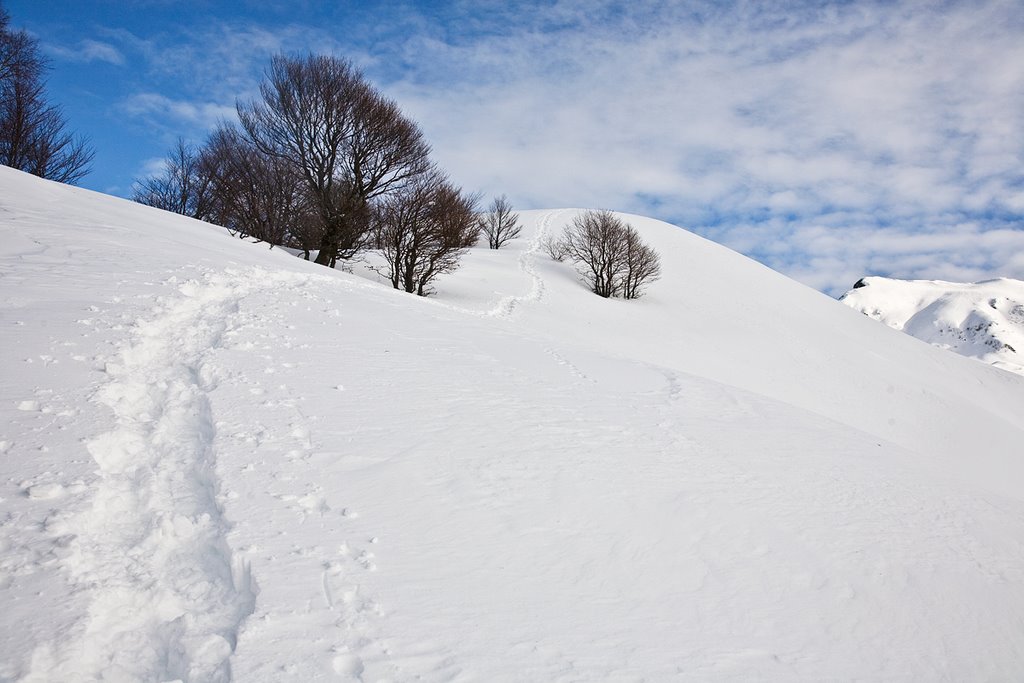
(313, 502)
(45, 491)
(332, 570)
(366, 560)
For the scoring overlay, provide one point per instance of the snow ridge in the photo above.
(982, 320)
(167, 597)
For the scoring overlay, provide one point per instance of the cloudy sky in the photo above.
(827, 140)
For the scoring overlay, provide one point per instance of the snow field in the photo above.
(222, 463)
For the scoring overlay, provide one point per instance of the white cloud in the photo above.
(750, 124)
(87, 51)
(197, 114)
(829, 140)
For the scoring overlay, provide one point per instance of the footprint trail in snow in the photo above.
(167, 595)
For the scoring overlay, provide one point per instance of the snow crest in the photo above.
(167, 596)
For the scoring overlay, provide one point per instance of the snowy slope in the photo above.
(220, 462)
(983, 320)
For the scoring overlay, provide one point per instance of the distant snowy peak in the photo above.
(983, 320)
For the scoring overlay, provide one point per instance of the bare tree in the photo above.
(500, 223)
(609, 254)
(185, 186)
(33, 136)
(347, 142)
(423, 230)
(229, 182)
(594, 242)
(554, 246)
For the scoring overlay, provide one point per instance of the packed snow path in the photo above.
(527, 264)
(166, 594)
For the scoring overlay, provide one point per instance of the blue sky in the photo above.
(827, 140)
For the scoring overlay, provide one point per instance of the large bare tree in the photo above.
(348, 143)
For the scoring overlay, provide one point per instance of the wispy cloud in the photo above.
(758, 127)
(156, 107)
(194, 77)
(86, 51)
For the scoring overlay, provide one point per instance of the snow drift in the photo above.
(221, 462)
(982, 320)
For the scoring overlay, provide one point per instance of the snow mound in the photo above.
(982, 320)
(219, 462)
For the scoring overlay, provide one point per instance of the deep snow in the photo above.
(982, 320)
(220, 462)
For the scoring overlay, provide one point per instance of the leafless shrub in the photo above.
(423, 230)
(610, 255)
(500, 224)
(554, 247)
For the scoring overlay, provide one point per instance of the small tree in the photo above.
(609, 254)
(423, 231)
(554, 246)
(595, 243)
(500, 223)
(33, 136)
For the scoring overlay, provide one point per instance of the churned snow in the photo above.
(983, 320)
(223, 463)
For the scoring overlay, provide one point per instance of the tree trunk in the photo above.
(328, 249)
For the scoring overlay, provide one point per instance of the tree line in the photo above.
(33, 132)
(322, 162)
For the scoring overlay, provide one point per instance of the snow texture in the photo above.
(982, 320)
(220, 462)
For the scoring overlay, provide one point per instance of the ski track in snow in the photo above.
(166, 594)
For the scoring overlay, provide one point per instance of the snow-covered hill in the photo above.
(983, 320)
(221, 462)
